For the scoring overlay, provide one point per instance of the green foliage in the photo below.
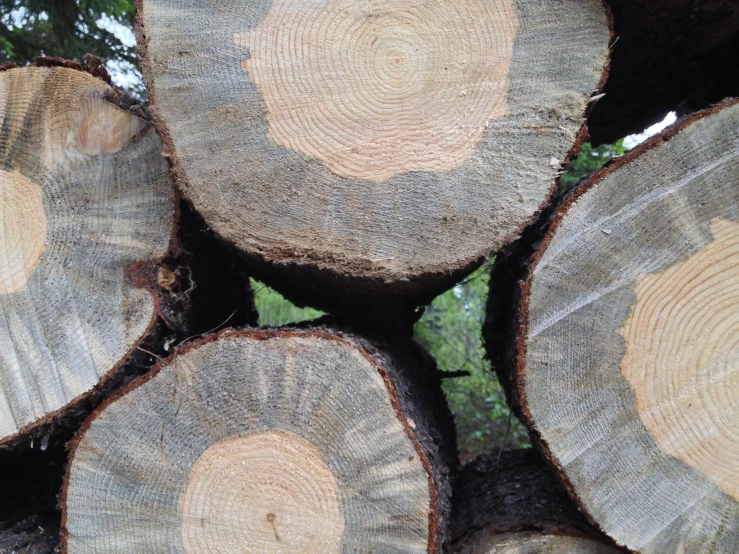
(70, 29)
(63, 28)
(451, 329)
(275, 310)
(588, 160)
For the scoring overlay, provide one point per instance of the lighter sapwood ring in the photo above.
(84, 194)
(627, 356)
(262, 441)
(375, 144)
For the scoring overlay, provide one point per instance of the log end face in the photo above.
(306, 452)
(393, 89)
(266, 492)
(682, 357)
(24, 226)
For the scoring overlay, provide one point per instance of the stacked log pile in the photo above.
(613, 324)
(362, 157)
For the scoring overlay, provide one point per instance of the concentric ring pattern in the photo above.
(682, 357)
(85, 194)
(283, 444)
(259, 493)
(385, 139)
(22, 230)
(631, 370)
(392, 87)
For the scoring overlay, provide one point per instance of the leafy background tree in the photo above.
(275, 310)
(589, 160)
(71, 29)
(451, 329)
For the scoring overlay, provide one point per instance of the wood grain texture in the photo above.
(535, 543)
(625, 366)
(268, 491)
(510, 502)
(23, 221)
(85, 193)
(682, 358)
(407, 63)
(394, 141)
(287, 441)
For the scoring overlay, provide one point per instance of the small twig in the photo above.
(507, 432)
(33, 540)
(150, 353)
(206, 332)
(454, 374)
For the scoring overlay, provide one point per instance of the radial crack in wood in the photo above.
(392, 141)
(84, 193)
(625, 343)
(267, 441)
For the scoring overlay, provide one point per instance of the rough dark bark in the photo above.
(31, 535)
(557, 331)
(406, 374)
(513, 491)
(669, 55)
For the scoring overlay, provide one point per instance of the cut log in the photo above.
(267, 441)
(368, 147)
(511, 503)
(623, 339)
(669, 55)
(84, 193)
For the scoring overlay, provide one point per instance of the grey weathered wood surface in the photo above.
(108, 202)
(375, 422)
(642, 427)
(406, 224)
